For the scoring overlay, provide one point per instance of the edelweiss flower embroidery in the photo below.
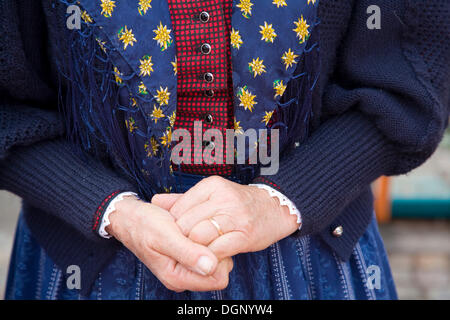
(237, 127)
(117, 76)
(102, 44)
(268, 33)
(279, 87)
(172, 118)
(127, 37)
(281, 3)
(144, 5)
(86, 17)
(235, 39)
(146, 66)
(142, 89)
(162, 96)
(130, 123)
(107, 8)
(175, 66)
(301, 29)
(267, 117)
(247, 100)
(163, 36)
(166, 140)
(246, 8)
(157, 114)
(257, 67)
(151, 148)
(289, 58)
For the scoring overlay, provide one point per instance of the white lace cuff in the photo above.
(284, 201)
(111, 207)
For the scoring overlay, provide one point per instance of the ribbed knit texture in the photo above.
(50, 168)
(384, 106)
(62, 192)
(381, 115)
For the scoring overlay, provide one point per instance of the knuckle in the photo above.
(169, 278)
(183, 226)
(246, 224)
(217, 180)
(223, 282)
(196, 235)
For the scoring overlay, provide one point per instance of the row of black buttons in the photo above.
(208, 77)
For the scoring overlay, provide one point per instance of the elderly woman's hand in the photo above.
(229, 217)
(153, 236)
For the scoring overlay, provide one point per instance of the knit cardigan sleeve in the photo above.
(36, 162)
(384, 110)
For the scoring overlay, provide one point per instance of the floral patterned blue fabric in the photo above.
(134, 41)
(294, 268)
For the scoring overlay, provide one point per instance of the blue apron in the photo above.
(293, 268)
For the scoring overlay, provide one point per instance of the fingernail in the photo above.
(205, 265)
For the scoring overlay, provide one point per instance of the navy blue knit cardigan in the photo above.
(382, 108)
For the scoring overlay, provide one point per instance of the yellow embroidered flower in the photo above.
(117, 75)
(86, 17)
(162, 96)
(142, 89)
(163, 36)
(130, 123)
(235, 39)
(175, 66)
(281, 3)
(237, 127)
(279, 87)
(268, 33)
(257, 67)
(247, 100)
(151, 148)
(302, 29)
(107, 8)
(312, 1)
(267, 117)
(246, 8)
(144, 5)
(157, 114)
(101, 44)
(133, 102)
(146, 66)
(289, 58)
(166, 140)
(172, 118)
(127, 37)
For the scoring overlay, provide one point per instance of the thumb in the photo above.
(192, 255)
(165, 200)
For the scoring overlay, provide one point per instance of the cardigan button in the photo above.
(208, 77)
(204, 17)
(205, 48)
(338, 231)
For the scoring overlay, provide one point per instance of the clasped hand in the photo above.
(187, 240)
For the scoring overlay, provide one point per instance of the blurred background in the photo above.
(414, 215)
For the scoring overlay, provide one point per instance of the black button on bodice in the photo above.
(208, 118)
(205, 48)
(208, 144)
(208, 77)
(204, 17)
(209, 93)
